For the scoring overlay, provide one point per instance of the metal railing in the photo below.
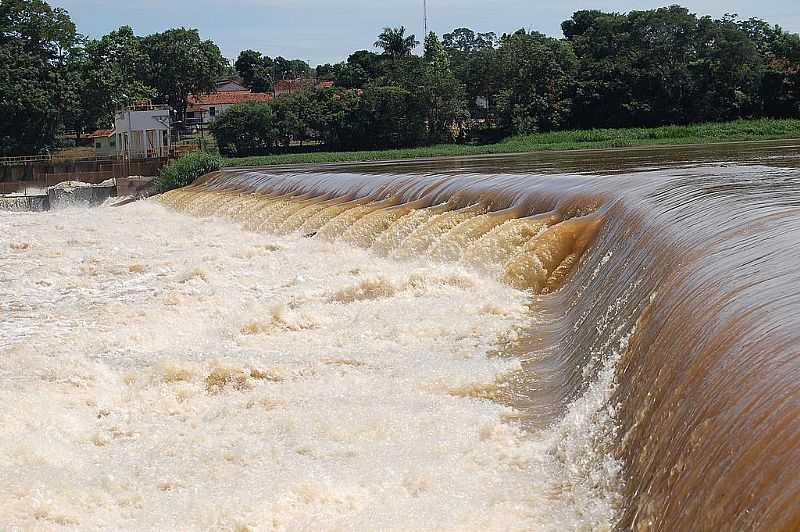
(14, 161)
(40, 180)
(22, 188)
(164, 151)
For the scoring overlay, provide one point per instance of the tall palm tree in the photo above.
(395, 44)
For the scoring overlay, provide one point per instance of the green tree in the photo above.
(180, 64)
(434, 52)
(538, 74)
(362, 67)
(662, 66)
(395, 44)
(727, 72)
(247, 129)
(299, 68)
(345, 119)
(395, 118)
(442, 95)
(474, 62)
(298, 116)
(291, 68)
(377, 118)
(467, 41)
(326, 71)
(256, 70)
(605, 77)
(780, 51)
(483, 77)
(109, 74)
(660, 43)
(37, 88)
(283, 68)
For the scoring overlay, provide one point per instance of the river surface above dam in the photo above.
(557, 341)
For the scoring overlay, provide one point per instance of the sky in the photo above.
(327, 31)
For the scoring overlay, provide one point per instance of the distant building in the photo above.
(205, 108)
(230, 85)
(105, 142)
(287, 86)
(142, 131)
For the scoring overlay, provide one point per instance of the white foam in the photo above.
(163, 372)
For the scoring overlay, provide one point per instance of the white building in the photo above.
(105, 142)
(143, 131)
(205, 108)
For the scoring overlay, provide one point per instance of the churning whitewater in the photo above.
(167, 372)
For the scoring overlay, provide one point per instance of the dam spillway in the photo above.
(580, 341)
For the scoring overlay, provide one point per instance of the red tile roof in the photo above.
(228, 98)
(100, 133)
(291, 85)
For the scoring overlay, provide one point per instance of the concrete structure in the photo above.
(105, 142)
(63, 195)
(23, 203)
(142, 131)
(205, 108)
(76, 194)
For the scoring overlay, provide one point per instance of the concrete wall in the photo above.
(60, 198)
(24, 203)
(43, 174)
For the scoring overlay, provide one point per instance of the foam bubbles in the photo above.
(196, 376)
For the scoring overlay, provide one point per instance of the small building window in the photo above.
(212, 111)
(98, 145)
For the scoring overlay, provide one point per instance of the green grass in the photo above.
(739, 130)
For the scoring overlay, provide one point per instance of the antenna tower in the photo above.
(425, 18)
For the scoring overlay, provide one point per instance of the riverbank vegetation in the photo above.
(467, 89)
(610, 70)
(53, 79)
(708, 133)
(183, 171)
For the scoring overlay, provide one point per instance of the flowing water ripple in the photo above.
(166, 372)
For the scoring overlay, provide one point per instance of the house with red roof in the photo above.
(104, 141)
(205, 108)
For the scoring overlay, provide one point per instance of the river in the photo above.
(564, 341)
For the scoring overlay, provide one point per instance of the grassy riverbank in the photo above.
(739, 130)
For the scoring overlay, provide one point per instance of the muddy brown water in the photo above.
(689, 257)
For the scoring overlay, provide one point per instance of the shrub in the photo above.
(185, 170)
(247, 129)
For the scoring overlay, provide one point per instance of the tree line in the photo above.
(53, 79)
(642, 68)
